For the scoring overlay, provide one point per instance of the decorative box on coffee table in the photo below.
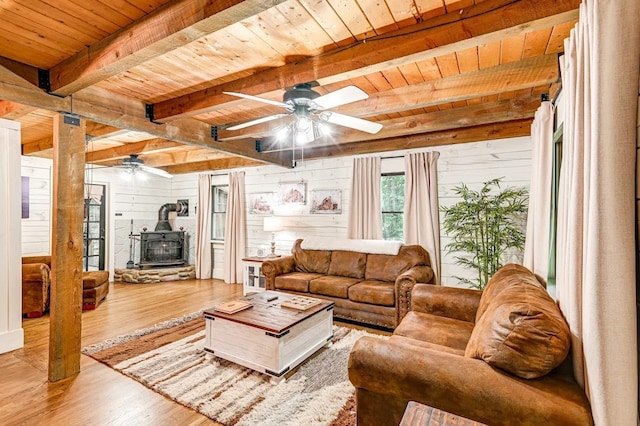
(267, 337)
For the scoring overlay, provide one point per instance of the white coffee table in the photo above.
(267, 337)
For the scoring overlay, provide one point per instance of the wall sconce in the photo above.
(272, 224)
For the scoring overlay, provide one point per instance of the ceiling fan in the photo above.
(133, 163)
(311, 112)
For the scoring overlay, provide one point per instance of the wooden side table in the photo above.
(417, 414)
(254, 280)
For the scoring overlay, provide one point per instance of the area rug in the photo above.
(170, 359)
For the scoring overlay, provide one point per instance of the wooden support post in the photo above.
(66, 275)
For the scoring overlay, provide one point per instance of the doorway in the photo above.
(94, 227)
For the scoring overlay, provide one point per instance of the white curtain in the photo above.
(234, 232)
(536, 247)
(421, 209)
(596, 281)
(365, 211)
(203, 227)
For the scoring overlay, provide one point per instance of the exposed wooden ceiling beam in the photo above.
(119, 152)
(489, 112)
(221, 164)
(483, 132)
(14, 111)
(99, 130)
(532, 72)
(167, 28)
(168, 158)
(37, 146)
(483, 23)
(22, 74)
(187, 131)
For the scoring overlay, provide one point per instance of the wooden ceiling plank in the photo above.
(378, 14)
(356, 20)
(448, 65)
(489, 55)
(430, 8)
(481, 24)
(468, 60)
(558, 35)
(327, 18)
(535, 43)
(404, 12)
(187, 131)
(512, 49)
(159, 32)
(483, 132)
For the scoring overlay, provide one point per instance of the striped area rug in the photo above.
(170, 359)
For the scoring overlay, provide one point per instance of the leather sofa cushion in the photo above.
(347, 264)
(314, 261)
(333, 286)
(384, 267)
(509, 274)
(373, 292)
(295, 281)
(435, 329)
(522, 332)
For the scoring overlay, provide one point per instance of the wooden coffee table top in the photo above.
(269, 315)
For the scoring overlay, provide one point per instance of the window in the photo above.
(219, 195)
(392, 187)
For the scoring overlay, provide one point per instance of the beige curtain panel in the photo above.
(536, 247)
(596, 281)
(234, 232)
(203, 228)
(421, 209)
(365, 211)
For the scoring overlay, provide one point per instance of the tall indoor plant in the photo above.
(483, 226)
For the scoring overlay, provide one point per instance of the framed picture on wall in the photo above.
(328, 201)
(261, 203)
(292, 193)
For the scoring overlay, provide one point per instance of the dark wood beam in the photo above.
(65, 324)
(483, 23)
(167, 28)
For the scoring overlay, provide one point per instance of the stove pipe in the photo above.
(163, 216)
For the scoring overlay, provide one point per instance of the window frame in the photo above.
(217, 215)
(391, 212)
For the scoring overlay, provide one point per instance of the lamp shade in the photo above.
(272, 224)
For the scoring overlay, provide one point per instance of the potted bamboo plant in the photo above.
(483, 226)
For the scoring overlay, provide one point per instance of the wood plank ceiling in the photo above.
(148, 75)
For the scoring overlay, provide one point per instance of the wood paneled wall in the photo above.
(139, 200)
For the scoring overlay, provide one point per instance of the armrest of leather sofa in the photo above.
(404, 287)
(452, 302)
(399, 372)
(278, 266)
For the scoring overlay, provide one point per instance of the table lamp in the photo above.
(272, 224)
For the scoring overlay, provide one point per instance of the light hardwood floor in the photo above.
(100, 395)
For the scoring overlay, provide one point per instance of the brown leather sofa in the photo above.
(36, 282)
(36, 272)
(500, 357)
(369, 288)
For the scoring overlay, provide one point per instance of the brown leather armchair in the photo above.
(500, 357)
(36, 272)
(36, 283)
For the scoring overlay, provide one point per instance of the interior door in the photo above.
(94, 227)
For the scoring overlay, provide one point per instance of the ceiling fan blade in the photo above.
(256, 98)
(256, 121)
(155, 171)
(340, 97)
(352, 122)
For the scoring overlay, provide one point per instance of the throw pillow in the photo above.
(522, 332)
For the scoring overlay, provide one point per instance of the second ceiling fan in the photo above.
(310, 111)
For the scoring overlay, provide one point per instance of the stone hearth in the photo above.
(155, 275)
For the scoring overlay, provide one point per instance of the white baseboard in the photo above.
(11, 340)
